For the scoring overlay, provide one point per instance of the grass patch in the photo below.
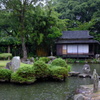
(4, 62)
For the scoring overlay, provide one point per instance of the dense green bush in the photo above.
(41, 69)
(5, 74)
(59, 62)
(44, 59)
(58, 72)
(5, 55)
(24, 75)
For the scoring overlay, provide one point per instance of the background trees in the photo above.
(36, 25)
(29, 21)
(82, 14)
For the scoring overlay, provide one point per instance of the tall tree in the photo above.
(47, 26)
(20, 11)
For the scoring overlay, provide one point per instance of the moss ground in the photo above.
(4, 62)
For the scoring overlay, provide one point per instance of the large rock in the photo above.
(15, 63)
(86, 69)
(79, 97)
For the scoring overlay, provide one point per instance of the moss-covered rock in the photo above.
(59, 62)
(24, 75)
(5, 75)
(41, 69)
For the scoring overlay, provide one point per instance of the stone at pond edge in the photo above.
(87, 92)
(86, 69)
(15, 63)
(73, 73)
(79, 97)
(84, 75)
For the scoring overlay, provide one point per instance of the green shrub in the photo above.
(24, 75)
(41, 69)
(70, 60)
(59, 62)
(81, 61)
(5, 55)
(58, 72)
(5, 74)
(44, 59)
(69, 68)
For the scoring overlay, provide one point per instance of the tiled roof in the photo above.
(75, 35)
(77, 41)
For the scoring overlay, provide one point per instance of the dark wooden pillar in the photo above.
(93, 49)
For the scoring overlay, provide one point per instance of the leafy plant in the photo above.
(24, 75)
(41, 69)
(44, 59)
(58, 72)
(5, 74)
(70, 60)
(69, 68)
(59, 62)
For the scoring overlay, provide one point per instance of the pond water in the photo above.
(46, 90)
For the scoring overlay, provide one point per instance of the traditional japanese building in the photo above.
(76, 44)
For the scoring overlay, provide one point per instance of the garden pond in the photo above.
(47, 90)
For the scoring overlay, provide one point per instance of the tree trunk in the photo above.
(24, 50)
(8, 48)
(8, 51)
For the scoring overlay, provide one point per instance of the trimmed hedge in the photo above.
(24, 75)
(5, 55)
(58, 72)
(5, 75)
(59, 62)
(41, 69)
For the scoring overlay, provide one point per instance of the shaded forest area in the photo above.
(31, 27)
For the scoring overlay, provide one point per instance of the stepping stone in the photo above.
(73, 73)
(83, 75)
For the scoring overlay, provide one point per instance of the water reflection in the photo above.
(46, 90)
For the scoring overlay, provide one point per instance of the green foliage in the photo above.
(5, 55)
(25, 71)
(44, 59)
(41, 69)
(95, 60)
(59, 62)
(24, 75)
(68, 60)
(81, 15)
(81, 61)
(5, 74)
(69, 68)
(58, 72)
